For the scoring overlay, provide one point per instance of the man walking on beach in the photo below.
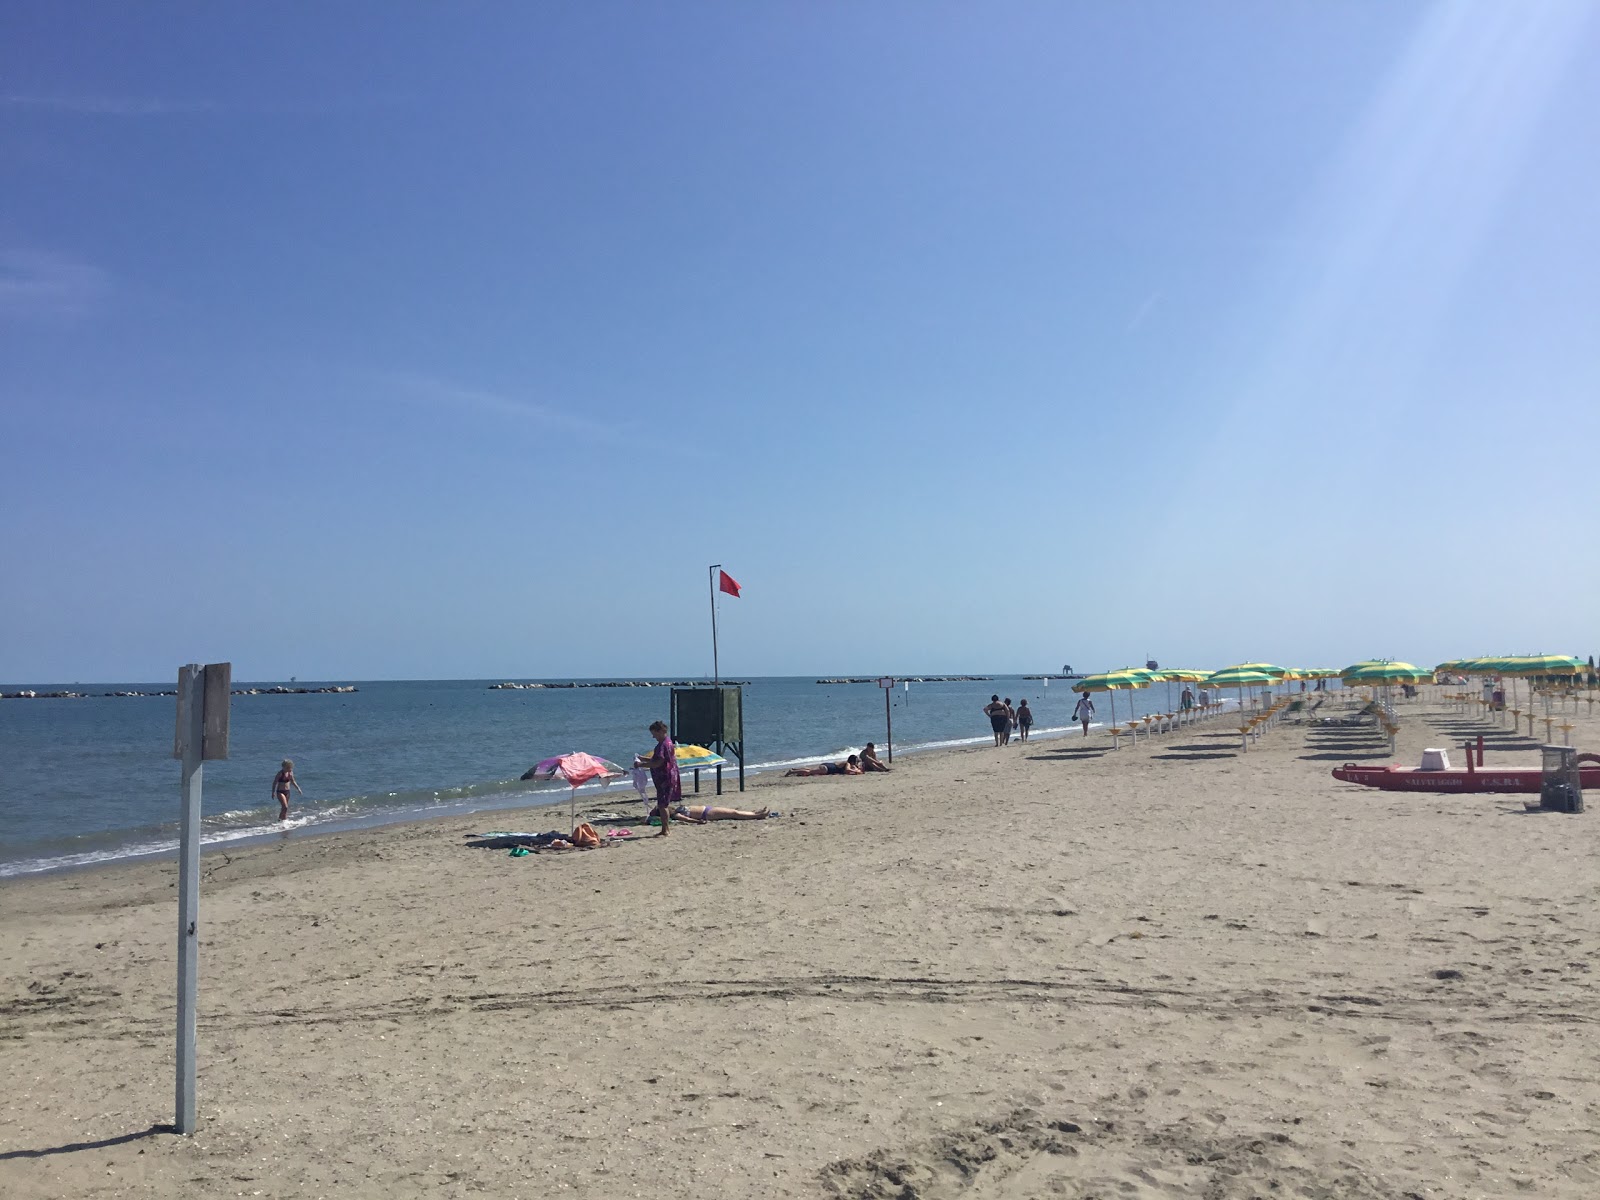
(1084, 712)
(663, 764)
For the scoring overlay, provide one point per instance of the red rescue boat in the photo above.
(1473, 779)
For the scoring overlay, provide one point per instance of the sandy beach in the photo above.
(1044, 970)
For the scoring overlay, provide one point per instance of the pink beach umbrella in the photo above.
(577, 770)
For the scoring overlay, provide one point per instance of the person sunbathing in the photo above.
(704, 814)
(870, 760)
(850, 766)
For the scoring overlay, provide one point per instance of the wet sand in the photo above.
(1048, 970)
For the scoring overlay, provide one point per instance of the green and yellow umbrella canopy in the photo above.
(694, 757)
(1385, 672)
(1240, 677)
(1545, 664)
(1518, 664)
(1182, 675)
(1115, 681)
(1265, 668)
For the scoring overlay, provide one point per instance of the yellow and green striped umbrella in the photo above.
(1240, 677)
(1265, 668)
(1116, 681)
(1546, 664)
(694, 757)
(1385, 672)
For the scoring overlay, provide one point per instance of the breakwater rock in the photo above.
(614, 683)
(254, 691)
(915, 679)
(280, 690)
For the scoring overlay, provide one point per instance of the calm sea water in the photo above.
(91, 780)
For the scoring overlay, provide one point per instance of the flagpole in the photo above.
(716, 670)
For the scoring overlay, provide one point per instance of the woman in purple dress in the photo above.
(663, 764)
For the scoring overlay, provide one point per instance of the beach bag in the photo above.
(584, 836)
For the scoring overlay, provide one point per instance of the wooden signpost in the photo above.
(204, 695)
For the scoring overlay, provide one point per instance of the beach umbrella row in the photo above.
(1242, 676)
(1514, 666)
(1518, 664)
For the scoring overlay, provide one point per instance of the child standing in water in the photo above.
(281, 783)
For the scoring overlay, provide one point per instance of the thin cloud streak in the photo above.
(34, 283)
(1145, 309)
(109, 106)
(425, 390)
(149, 106)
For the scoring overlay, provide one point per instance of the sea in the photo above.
(90, 779)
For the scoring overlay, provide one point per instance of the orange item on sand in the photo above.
(584, 837)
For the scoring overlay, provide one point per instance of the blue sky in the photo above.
(402, 340)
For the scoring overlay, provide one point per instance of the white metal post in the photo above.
(191, 701)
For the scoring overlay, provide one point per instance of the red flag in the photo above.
(727, 583)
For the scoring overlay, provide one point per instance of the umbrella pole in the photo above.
(1112, 696)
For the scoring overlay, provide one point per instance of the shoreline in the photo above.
(332, 825)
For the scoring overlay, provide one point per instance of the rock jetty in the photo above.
(915, 679)
(280, 690)
(614, 683)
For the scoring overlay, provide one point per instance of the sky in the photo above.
(402, 340)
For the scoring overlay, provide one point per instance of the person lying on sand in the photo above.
(870, 760)
(704, 814)
(850, 766)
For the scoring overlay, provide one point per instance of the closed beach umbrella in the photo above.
(577, 770)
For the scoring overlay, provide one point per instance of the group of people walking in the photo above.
(1006, 720)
